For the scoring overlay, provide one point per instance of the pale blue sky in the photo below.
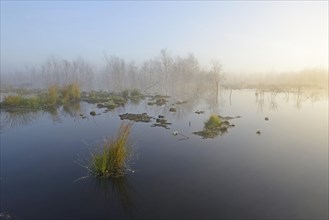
(246, 36)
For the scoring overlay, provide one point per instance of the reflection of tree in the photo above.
(273, 102)
(217, 101)
(286, 96)
(72, 109)
(298, 103)
(53, 111)
(121, 189)
(299, 96)
(260, 99)
(316, 95)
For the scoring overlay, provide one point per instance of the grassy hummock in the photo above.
(52, 97)
(213, 127)
(213, 122)
(111, 161)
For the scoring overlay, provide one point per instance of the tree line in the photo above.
(163, 74)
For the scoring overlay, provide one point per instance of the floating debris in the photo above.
(160, 116)
(180, 103)
(158, 100)
(258, 132)
(136, 117)
(160, 125)
(199, 112)
(175, 133)
(172, 109)
(228, 117)
(266, 118)
(93, 113)
(161, 122)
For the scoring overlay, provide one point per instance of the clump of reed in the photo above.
(52, 95)
(70, 93)
(112, 160)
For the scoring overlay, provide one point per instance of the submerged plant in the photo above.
(113, 158)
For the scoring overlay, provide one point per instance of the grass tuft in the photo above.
(213, 122)
(52, 95)
(112, 160)
(13, 100)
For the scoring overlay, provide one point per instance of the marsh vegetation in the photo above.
(112, 160)
(187, 127)
(214, 126)
(43, 99)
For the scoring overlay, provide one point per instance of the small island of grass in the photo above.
(50, 98)
(112, 160)
(213, 127)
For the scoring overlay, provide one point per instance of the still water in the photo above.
(281, 173)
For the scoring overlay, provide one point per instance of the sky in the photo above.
(245, 36)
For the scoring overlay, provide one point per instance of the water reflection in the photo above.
(213, 101)
(297, 97)
(17, 117)
(120, 190)
(72, 109)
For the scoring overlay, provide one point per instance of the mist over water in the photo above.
(164, 74)
(236, 129)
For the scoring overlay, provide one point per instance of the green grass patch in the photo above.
(213, 122)
(213, 127)
(20, 101)
(52, 97)
(111, 161)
